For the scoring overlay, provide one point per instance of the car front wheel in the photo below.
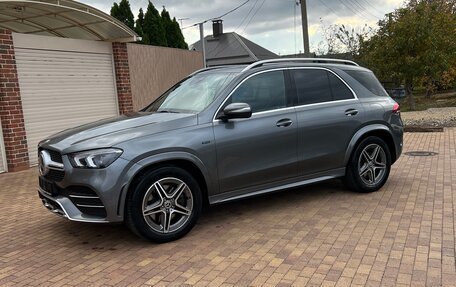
(369, 166)
(164, 205)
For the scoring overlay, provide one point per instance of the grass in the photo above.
(422, 103)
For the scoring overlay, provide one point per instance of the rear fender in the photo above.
(359, 134)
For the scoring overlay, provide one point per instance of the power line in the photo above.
(231, 11)
(375, 8)
(329, 8)
(246, 16)
(243, 20)
(353, 9)
(259, 8)
(253, 16)
(221, 16)
(362, 8)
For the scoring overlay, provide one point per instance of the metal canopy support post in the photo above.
(203, 48)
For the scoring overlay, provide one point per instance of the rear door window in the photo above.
(312, 86)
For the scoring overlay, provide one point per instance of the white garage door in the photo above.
(64, 83)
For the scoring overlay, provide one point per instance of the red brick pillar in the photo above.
(11, 107)
(124, 94)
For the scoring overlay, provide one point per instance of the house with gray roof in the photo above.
(231, 48)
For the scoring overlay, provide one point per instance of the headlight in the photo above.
(99, 158)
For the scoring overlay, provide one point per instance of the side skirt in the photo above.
(277, 186)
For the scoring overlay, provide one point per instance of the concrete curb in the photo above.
(422, 129)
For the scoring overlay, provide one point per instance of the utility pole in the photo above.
(203, 48)
(305, 29)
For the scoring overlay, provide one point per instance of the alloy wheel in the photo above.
(167, 205)
(372, 164)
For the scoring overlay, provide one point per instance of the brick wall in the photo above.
(124, 94)
(11, 107)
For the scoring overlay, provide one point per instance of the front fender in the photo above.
(359, 134)
(161, 158)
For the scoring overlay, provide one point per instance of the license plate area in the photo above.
(47, 186)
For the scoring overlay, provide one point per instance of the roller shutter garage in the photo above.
(64, 83)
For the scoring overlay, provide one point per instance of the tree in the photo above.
(352, 38)
(416, 44)
(177, 30)
(139, 26)
(154, 32)
(174, 36)
(167, 25)
(122, 12)
(341, 39)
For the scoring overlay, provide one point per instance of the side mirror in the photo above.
(236, 111)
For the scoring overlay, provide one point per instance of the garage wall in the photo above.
(153, 70)
(64, 83)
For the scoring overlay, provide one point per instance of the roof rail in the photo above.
(299, 60)
(205, 69)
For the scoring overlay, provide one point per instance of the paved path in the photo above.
(318, 235)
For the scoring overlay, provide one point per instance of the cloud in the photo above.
(270, 23)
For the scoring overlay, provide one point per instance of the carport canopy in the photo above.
(63, 18)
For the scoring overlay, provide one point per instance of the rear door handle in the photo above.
(284, 123)
(351, 112)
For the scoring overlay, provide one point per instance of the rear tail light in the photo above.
(396, 108)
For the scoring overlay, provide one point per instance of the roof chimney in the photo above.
(217, 27)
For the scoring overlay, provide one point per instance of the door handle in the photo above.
(284, 123)
(351, 112)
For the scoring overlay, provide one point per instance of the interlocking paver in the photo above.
(317, 235)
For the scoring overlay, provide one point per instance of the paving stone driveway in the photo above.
(318, 235)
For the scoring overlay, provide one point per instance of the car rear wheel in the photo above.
(369, 166)
(164, 205)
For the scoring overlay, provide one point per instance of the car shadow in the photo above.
(112, 237)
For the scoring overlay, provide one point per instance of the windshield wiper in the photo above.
(167, 111)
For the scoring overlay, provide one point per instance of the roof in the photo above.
(62, 18)
(232, 48)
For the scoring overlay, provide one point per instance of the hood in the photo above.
(108, 132)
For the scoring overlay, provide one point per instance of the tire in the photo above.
(164, 205)
(367, 171)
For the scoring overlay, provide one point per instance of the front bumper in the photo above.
(64, 207)
(88, 195)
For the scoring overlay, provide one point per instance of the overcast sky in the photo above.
(269, 23)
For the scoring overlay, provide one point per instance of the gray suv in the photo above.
(223, 134)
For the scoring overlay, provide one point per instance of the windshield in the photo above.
(193, 94)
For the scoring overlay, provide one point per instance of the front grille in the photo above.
(55, 175)
(55, 156)
(86, 200)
